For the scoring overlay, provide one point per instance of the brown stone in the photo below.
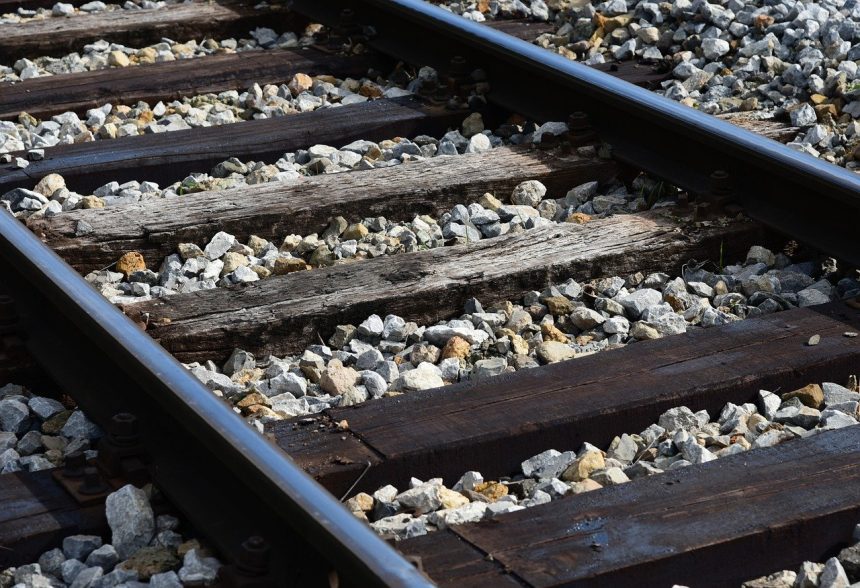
(676, 303)
(286, 265)
(370, 90)
(579, 218)
(355, 231)
(822, 110)
(559, 305)
(246, 375)
(300, 83)
(202, 550)
(762, 21)
(492, 490)
(130, 262)
(252, 399)
(149, 561)
(53, 425)
(551, 333)
(811, 395)
(456, 347)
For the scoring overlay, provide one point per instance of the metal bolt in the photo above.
(75, 465)
(93, 483)
(458, 65)
(123, 429)
(346, 24)
(720, 183)
(578, 122)
(347, 16)
(253, 556)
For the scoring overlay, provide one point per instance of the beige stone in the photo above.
(118, 59)
(451, 498)
(361, 502)
(92, 202)
(489, 202)
(811, 395)
(300, 83)
(257, 244)
(583, 465)
(551, 333)
(337, 378)
(50, 184)
(586, 485)
(232, 261)
(554, 351)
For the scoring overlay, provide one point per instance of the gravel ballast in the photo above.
(836, 572)
(103, 54)
(143, 550)
(679, 438)
(791, 61)
(38, 433)
(387, 355)
(64, 10)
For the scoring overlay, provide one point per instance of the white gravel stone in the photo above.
(131, 520)
(197, 569)
(528, 193)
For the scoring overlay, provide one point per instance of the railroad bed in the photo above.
(443, 319)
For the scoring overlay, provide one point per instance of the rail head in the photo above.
(214, 453)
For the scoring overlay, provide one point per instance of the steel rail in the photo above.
(795, 193)
(229, 480)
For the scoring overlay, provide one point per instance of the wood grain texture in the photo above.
(170, 80)
(282, 314)
(772, 129)
(37, 513)
(455, 563)
(528, 30)
(194, 20)
(274, 210)
(507, 419)
(709, 525)
(167, 157)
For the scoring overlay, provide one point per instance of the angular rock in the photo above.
(131, 520)
(80, 546)
(197, 569)
(549, 464)
(528, 193)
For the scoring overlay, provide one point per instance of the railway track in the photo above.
(444, 317)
